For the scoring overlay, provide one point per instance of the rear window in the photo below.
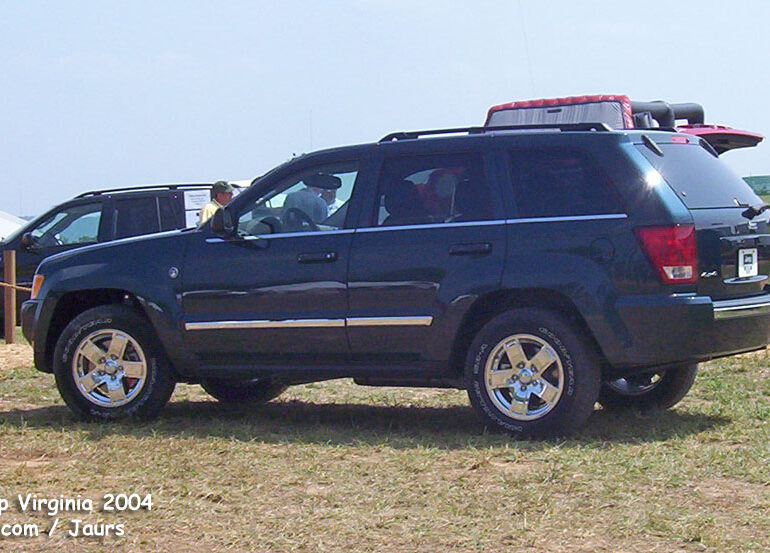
(700, 179)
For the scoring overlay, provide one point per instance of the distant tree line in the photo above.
(760, 184)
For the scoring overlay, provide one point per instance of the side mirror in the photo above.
(222, 222)
(28, 241)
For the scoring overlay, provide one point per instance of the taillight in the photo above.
(671, 250)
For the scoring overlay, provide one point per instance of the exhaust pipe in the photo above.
(661, 111)
(690, 111)
(667, 114)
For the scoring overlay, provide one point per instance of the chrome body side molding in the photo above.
(423, 320)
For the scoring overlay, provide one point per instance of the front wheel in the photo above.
(654, 390)
(108, 365)
(529, 372)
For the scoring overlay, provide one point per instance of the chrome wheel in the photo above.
(109, 368)
(635, 385)
(524, 377)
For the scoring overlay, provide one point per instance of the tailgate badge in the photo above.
(173, 272)
(709, 274)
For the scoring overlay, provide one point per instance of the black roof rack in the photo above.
(407, 135)
(144, 187)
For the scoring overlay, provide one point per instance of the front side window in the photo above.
(78, 224)
(560, 183)
(311, 200)
(430, 189)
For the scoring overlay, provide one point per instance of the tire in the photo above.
(659, 390)
(256, 391)
(568, 381)
(97, 386)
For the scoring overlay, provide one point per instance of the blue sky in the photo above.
(102, 94)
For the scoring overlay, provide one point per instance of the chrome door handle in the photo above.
(475, 248)
(317, 257)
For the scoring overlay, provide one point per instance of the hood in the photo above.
(126, 252)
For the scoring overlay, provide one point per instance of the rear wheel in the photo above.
(530, 373)
(108, 365)
(654, 390)
(258, 390)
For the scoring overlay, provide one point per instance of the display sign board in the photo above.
(196, 199)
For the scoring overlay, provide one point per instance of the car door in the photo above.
(432, 243)
(276, 293)
(75, 224)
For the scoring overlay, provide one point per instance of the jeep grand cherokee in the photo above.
(542, 269)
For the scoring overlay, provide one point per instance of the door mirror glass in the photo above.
(28, 241)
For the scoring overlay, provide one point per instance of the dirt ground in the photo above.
(341, 468)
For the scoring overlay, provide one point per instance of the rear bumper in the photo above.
(663, 330)
(736, 309)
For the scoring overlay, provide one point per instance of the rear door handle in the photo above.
(317, 257)
(475, 248)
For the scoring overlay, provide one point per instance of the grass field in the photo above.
(336, 467)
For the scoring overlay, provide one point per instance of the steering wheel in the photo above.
(295, 218)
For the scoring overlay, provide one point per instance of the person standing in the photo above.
(221, 194)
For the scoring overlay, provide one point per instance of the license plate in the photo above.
(747, 263)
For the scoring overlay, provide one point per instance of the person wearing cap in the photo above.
(221, 194)
(309, 201)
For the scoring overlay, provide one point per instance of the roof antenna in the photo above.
(310, 128)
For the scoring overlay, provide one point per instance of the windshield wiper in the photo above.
(752, 211)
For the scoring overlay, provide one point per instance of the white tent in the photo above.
(9, 223)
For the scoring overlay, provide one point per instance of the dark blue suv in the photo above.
(541, 269)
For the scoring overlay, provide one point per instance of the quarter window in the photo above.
(560, 183)
(418, 190)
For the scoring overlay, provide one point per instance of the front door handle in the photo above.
(317, 257)
(474, 248)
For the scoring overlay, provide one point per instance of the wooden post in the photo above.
(9, 276)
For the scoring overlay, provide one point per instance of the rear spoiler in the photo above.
(723, 139)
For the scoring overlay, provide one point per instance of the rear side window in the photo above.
(167, 217)
(136, 216)
(429, 189)
(560, 183)
(700, 179)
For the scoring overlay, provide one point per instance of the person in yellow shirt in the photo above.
(221, 194)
